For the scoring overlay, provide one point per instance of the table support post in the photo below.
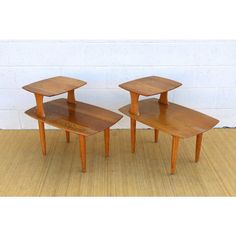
(156, 133)
(40, 112)
(39, 107)
(70, 99)
(71, 96)
(133, 134)
(42, 136)
(67, 136)
(175, 145)
(107, 141)
(134, 111)
(82, 144)
(164, 98)
(134, 103)
(198, 146)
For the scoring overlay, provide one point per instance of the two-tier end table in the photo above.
(176, 120)
(68, 114)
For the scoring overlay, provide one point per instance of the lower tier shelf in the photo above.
(172, 118)
(80, 118)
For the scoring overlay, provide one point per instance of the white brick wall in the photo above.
(207, 70)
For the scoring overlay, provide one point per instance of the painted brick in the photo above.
(196, 97)
(207, 70)
(7, 78)
(118, 53)
(7, 99)
(9, 120)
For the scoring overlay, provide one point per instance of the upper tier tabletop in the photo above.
(54, 86)
(151, 85)
(172, 118)
(80, 118)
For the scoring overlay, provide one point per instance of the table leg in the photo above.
(156, 132)
(82, 144)
(107, 141)
(42, 136)
(67, 136)
(175, 145)
(71, 96)
(133, 134)
(198, 146)
(164, 98)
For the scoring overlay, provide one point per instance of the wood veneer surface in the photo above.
(172, 118)
(80, 118)
(54, 86)
(150, 85)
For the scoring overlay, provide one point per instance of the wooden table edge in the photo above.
(43, 119)
(134, 116)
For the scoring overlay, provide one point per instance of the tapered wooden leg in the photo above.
(107, 141)
(156, 132)
(82, 144)
(42, 136)
(67, 136)
(198, 147)
(175, 145)
(133, 134)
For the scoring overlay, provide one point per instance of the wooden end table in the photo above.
(68, 114)
(176, 120)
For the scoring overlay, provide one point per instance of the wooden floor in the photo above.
(25, 172)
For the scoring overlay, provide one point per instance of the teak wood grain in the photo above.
(80, 118)
(173, 119)
(68, 114)
(150, 85)
(176, 120)
(54, 86)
